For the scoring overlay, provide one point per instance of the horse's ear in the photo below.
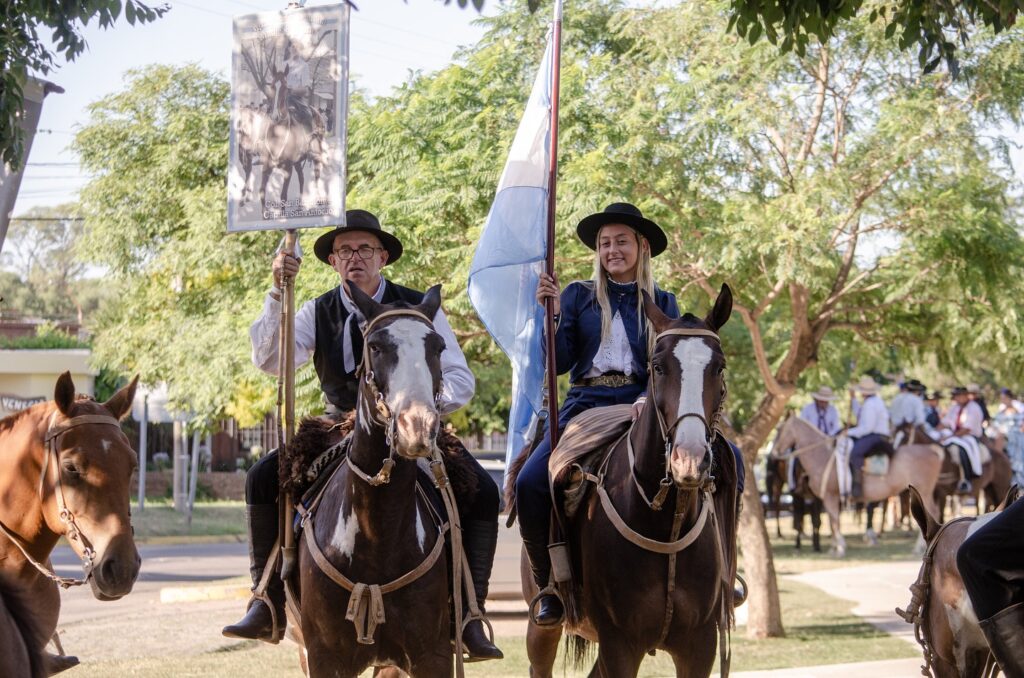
(366, 305)
(658, 319)
(120, 403)
(64, 393)
(1011, 496)
(929, 526)
(431, 302)
(722, 309)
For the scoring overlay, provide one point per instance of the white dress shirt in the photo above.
(826, 421)
(457, 381)
(907, 408)
(614, 354)
(970, 420)
(872, 418)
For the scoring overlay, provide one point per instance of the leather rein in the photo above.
(676, 543)
(65, 515)
(366, 602)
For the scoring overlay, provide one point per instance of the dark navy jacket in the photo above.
(578, 336)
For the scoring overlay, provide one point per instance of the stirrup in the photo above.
(548, 590)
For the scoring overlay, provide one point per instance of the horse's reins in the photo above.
(920, 592)
(710, 428)
(366, 602)
(676, 544)
(65, 515)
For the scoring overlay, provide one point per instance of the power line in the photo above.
(52, 164)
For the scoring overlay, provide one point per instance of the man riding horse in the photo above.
(328, 330)
(871, 431)
(964, 422)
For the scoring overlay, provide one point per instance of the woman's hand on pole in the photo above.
(547, 288)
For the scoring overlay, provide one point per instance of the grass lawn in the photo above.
(820, 628)
(215, 520)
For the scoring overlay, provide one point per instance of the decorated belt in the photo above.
(609, 380)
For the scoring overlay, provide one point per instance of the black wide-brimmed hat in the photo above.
(358, 220)
(915, 386)
(958, 391)
(622, 213)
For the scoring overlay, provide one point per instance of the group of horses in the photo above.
(373, 586)
(283, 133)
(920, 462)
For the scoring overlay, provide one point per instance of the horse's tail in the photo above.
(25, 624)
(579, 652)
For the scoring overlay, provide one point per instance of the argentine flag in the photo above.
(510, 258)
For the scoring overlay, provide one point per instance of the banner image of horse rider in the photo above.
(871, 430)
(822, 413)
(991, 563)
(327, 330)
(964, 423)
(602, 339)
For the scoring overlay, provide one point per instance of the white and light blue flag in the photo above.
(510, 257)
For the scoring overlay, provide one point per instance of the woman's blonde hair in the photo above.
(644, 281)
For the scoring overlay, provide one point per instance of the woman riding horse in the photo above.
(603, 340)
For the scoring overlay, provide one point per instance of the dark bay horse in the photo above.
(993, 483)
(373, 579)
(21, 640)
(657, 577)
(803, 502)
(65, 466)
(945, 623)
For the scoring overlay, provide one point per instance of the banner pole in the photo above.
(549, 261)
(288, 551)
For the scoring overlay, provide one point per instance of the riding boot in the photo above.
(258, 622)
(1005, 639)
(549, 608)
(857, 484)
(480, 540)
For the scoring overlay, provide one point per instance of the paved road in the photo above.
(96, 630)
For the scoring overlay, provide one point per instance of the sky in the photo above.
(390, 39)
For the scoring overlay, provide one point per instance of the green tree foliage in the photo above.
(42, 276)
(933, 25)
(860, 211)
(23, 51)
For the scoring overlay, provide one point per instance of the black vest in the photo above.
(340, 387)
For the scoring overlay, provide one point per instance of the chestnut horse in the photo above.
(945, 623)
(916, 465)
(372, 544)
(21, 641)
(65, 466)
(649, 579)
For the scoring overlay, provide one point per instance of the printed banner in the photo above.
(289, 107)
(10, 403)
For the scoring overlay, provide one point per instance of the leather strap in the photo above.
(654, 545)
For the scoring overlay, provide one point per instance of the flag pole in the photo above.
(549, 262)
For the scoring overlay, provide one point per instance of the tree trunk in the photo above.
(764, 614)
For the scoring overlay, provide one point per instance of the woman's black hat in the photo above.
(358, 220)
(622, 213)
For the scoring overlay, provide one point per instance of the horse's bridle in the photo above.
(386, 417)
(711, 428)
(65, 515)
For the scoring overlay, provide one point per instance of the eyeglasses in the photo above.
(365, 252)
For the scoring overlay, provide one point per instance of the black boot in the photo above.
(549, 610)
(857, 484)
(480, 539)
(258, 622)
(1006, 640)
